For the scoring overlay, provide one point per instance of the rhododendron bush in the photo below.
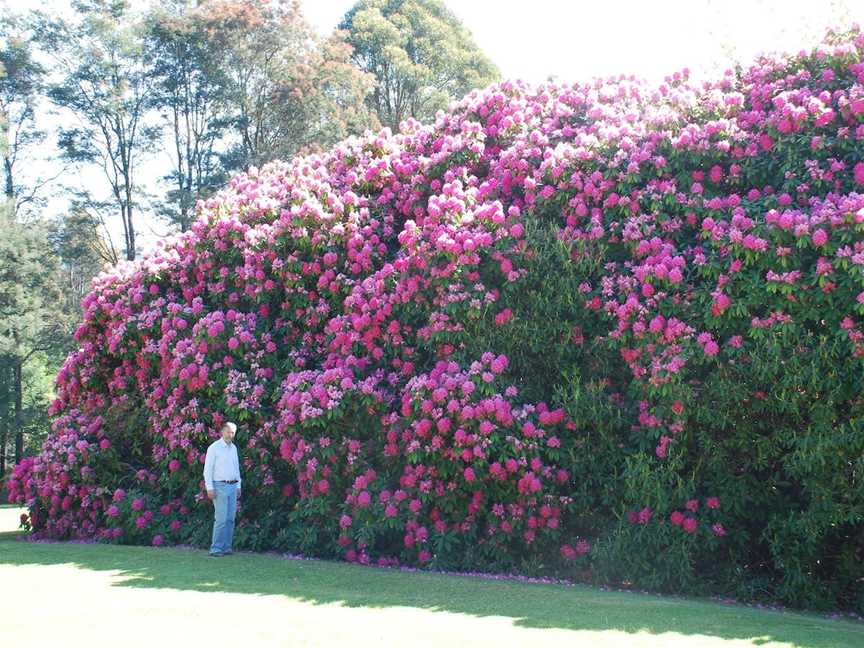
(606, 330)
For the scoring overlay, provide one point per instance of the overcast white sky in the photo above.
(575, 41)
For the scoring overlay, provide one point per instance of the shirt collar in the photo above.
(222, 441)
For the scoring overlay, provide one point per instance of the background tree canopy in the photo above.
(420, 55)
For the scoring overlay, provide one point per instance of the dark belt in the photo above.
(227, 481)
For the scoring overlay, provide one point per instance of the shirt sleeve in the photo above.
(237, 463)
(208, 469)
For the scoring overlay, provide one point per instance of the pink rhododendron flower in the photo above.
(503, 317)
(819, 237)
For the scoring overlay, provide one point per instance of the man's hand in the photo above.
(211, 494)
(238, 493)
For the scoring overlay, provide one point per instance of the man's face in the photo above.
(227, 434)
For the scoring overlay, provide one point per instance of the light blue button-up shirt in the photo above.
(222, 464)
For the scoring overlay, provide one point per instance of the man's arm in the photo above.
(208, 472)
(237, 463)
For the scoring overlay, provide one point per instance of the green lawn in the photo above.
(97, 595)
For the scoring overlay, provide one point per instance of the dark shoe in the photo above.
(216, 554)
(228, 553)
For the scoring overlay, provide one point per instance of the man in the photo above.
(222, 481)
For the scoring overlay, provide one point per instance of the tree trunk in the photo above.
(19, 413)
(10, 183)
(8, 180)
(4, 435)
(130, 245)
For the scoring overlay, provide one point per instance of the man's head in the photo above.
(229, 429)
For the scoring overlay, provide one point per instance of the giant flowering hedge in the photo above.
(606, 330)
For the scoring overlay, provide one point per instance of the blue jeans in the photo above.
(225, 505)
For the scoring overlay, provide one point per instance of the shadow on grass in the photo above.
(529, 605)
